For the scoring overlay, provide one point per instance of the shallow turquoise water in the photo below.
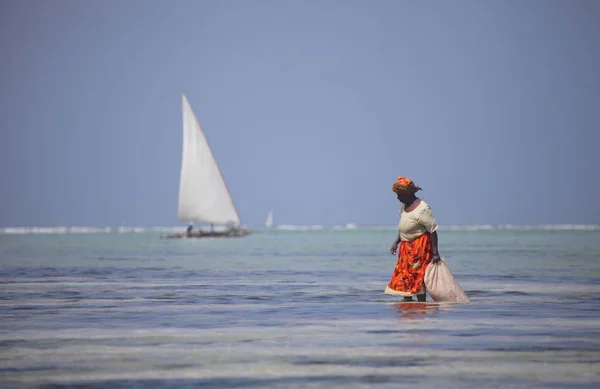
(302, 309)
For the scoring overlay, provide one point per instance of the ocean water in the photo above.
(296, 309)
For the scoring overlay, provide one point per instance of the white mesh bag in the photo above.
(442, 285)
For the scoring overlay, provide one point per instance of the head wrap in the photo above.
(404, 186)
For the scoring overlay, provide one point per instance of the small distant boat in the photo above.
(269, 220)
(203, 194)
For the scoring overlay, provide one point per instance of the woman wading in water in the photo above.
(418, 242)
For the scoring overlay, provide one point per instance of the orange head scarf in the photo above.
(404, 186)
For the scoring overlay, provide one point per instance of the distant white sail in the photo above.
(203, 194)
(269, 221)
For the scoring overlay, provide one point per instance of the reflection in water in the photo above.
(415, 310)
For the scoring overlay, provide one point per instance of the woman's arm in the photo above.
(435, 255)
(395, 245)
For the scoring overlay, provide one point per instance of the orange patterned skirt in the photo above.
(413, 258)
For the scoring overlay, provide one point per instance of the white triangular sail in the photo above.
(203, 194)
(269, 221)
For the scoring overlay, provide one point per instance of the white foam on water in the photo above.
(518, 227)
(292, 227)
(317, 351)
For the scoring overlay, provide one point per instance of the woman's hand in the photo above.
(394, 248)
(435, 258)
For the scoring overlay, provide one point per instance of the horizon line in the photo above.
(287, 227)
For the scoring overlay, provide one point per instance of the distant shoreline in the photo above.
(347, 227)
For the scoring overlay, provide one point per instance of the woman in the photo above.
(418, 241)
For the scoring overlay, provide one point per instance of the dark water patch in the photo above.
(508, 277)
(34, 309)
(179, 288)
(529, 348)
(63, 293)
(28, 369)
(165, 296)
(323, 381)
(580, 297)
(515, 293)
(516, 313)
(173, 366)
(243, 382)
(589, 280)
(102, 258)
(476, 292)
(468, 334)
(96, 272)
(385, 332)
(191, 300)
(227, 300)
(365, 362)
(257, 298)
(10, 343)
(322, 298)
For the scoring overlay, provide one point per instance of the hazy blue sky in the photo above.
(311, 107)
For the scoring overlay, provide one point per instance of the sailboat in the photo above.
(203, 194)
(269, 221)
